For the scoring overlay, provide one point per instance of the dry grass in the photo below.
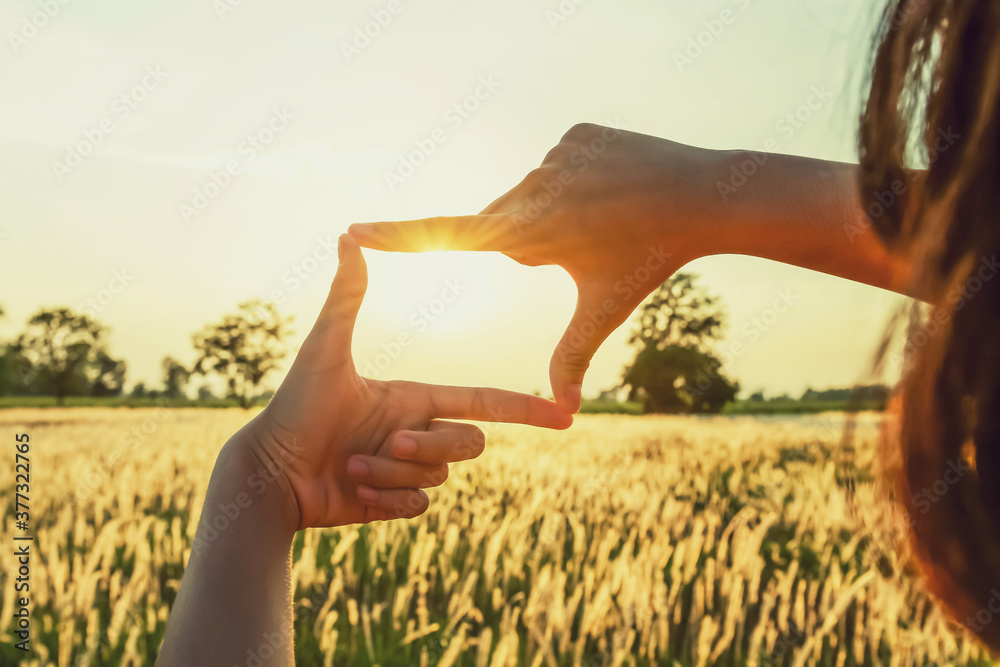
(625, 541)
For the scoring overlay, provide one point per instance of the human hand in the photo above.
(347, 449)
(619, 211)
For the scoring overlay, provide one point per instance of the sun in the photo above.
(434, 292)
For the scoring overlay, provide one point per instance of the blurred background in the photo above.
(173, 183)
(165, 163)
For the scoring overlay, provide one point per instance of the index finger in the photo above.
(462, 232)
(496, 405)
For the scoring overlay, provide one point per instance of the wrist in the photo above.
(255, 475)
(776, 206)
(697, 212)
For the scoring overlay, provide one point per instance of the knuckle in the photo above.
(478, 404)
(573, 360)
(580, 131)
(555, 155)
(537, 176)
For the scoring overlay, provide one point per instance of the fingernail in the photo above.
(573, 397)
(357, 468)
(406, 446)
(367, 494)
(340, 248)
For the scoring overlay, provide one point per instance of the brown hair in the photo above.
(934, 103)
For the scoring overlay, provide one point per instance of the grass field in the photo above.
(624, 541)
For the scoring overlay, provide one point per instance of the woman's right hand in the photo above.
(619, 211)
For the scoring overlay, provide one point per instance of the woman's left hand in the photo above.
(346, 449)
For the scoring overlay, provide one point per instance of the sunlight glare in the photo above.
(438, 291)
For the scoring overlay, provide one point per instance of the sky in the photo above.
(163, 163)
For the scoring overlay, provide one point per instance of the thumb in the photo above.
(335, 325)
(597, 314)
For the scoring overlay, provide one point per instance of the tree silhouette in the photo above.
(63, 353)
(108, 375)
(674, 370)
(175, 378)
(8, 366)
(243, 348)
(679, 313)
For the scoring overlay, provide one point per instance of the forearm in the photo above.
(234, 599)
(804, 212)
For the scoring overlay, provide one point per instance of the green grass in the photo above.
(611, 408)
(791, 407)
(588, 407)
(798, 407)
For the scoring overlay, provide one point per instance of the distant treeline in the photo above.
(872, 393)
(61, 353)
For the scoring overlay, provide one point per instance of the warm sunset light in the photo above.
(439, 291)
(533, 333)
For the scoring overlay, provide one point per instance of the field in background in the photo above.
(624, 541)
(790, 407)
